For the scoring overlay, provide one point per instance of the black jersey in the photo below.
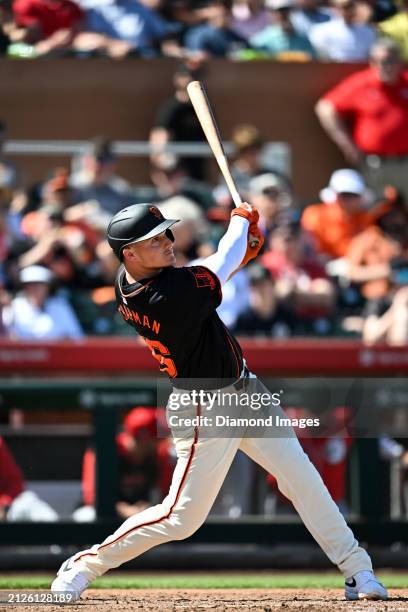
(175, 313)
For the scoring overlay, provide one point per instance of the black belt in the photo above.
(242, 382)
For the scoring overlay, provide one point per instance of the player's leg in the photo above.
(281, 454)
(202, 465)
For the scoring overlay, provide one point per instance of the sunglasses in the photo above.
(348, 194)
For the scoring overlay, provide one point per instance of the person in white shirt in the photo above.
(34, 314)
(343, 39)
(306, 14)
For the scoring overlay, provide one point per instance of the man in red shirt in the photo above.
(11, 479)
(49, 24)
(366, 115)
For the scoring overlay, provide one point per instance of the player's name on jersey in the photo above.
(273, 420)
(141, 319)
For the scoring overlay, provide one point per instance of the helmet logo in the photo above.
(156, 212)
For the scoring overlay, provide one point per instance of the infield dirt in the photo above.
(245, 600)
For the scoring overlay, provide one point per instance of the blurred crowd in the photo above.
(335, 266)
(303, 30)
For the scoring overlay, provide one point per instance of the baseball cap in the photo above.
(246, 136)
(343, 181)
(134, 224)
(277, 5)
(36, 274)
(263, 182)
(257, 273)
(141, 423)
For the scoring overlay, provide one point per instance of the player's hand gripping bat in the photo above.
(204, 113)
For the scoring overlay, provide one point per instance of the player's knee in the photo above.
(184, 527)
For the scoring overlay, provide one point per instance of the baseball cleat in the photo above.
(364, 585)
(70, 580)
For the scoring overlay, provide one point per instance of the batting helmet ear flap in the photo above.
(170, 235)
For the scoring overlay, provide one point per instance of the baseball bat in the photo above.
(205, 115)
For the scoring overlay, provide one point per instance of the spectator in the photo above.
(300, 279)
(176, 121)
(68, 252)
(265, 315)
(49, 25)
(97, 179)
(170, 178)
(366, 115)
(391, 326)
(378, 255)
(7, 25)
(374, 11)
(247, 161)
(215, 37)
(146, 465)
(343, 39)
(396, 28)
(307, 13)
(11, 479)
(16, 503)
(249, 17)
(272, 196)
(56, 196)
(8, 170)
(393, 451)
(137, 28)
(378, 262)
(191, 231)
(280, 40)
(62, 236)
(9, 224)
(34, 314)
(341, 215)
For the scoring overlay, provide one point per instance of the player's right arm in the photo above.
(234, 249)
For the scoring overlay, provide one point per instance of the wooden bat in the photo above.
(205, 115)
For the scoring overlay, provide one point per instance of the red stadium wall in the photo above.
(297, 357)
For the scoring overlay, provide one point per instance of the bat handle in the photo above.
(223, 164)
(236, 198)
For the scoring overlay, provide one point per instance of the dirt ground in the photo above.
(262, 600)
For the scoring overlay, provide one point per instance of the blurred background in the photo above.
(312, 102)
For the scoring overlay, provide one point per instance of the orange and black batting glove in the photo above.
(246, 211)
(255, 244)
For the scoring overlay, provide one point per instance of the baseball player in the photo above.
(174, 310)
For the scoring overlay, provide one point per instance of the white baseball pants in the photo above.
(202, 466)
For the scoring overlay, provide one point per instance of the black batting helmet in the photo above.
(136, 223)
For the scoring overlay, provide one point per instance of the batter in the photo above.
(174, 310)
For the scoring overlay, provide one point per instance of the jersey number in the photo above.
(162, 354)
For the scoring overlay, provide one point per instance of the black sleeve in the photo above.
(196, 289)
(165, 116)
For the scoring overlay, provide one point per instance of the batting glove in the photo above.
(247, 212)
(255, 243)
